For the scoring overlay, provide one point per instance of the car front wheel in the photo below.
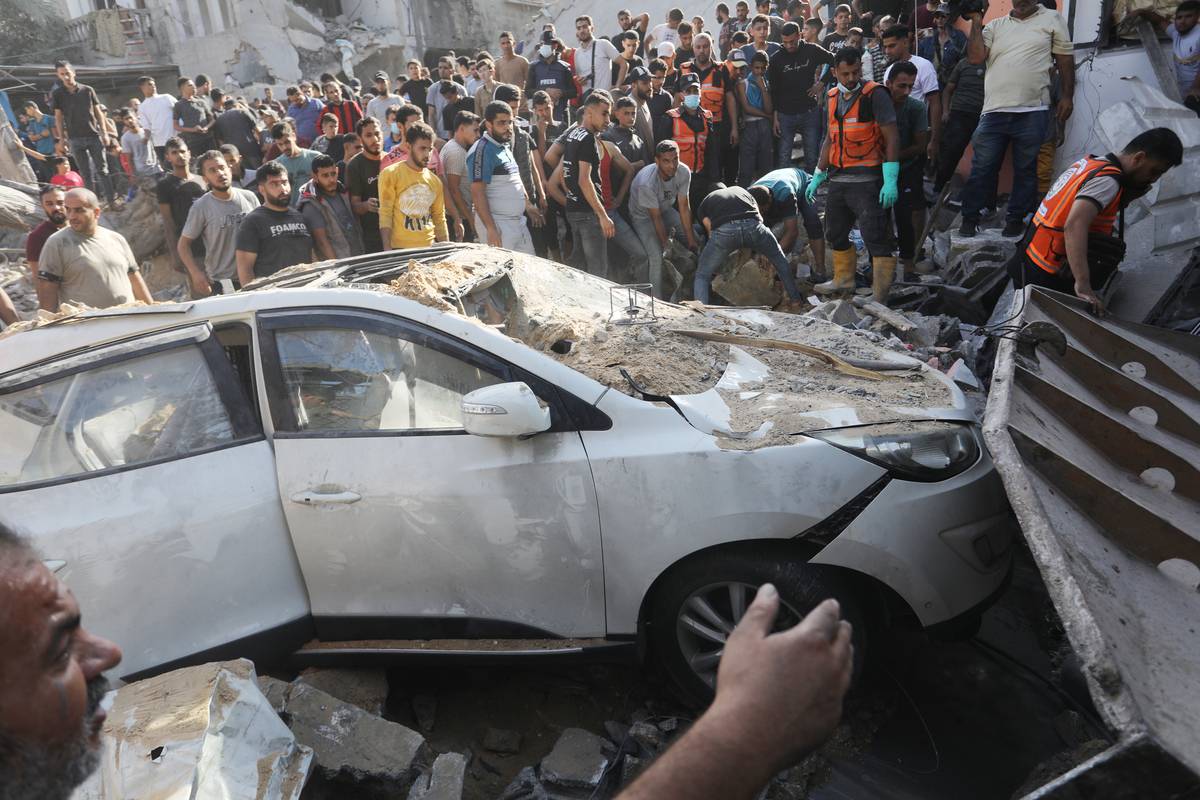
(704, 598)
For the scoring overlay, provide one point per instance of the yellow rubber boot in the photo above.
(844, 263)
(883, 272)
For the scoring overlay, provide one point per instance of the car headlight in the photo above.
(917, 451)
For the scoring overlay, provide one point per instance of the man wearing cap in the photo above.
(660, 101)
(666, 54)
(383, 100)
(946, 47)
(718, 97)
(639, 90)
(551, 75)
(691, 130)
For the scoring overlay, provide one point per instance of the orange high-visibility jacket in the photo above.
(1048, 243)
(855, 141)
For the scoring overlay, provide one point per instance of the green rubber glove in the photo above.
(817, 179)
(890, 192)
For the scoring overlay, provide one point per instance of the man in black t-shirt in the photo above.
(792, 74)
(274, 235)
(176, 191)
(236, 126)
(591, 226)
(80, 121)
(193, 118)
(362, 182)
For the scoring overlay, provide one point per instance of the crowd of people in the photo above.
(598, 152)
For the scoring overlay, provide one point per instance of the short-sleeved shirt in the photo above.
(362, 181)
(93, 270)
(1019, 58)
(791, 75)
(580, 147)
(44, 145)
(238, 128)
(190, 114)
(157, 114)
(728, 205)
(493, 165)
(885, 113)
(140, 148)
(280, 238)
(748, 50)
(68, 180)
(454, 162)
(378, 106)
(662, 32)
(649, 190)
(76, 108)
(911, 118)
(307, 116)
(417, 93)
(1186, 50)
(179, 194)
(787, 187)
(37, 238)
(299, 168)
(215, 222)
(602, 53)
(927, 79)
(968, 79)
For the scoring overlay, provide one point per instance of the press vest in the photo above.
(712, 88)
(691, 143)
(855, 140)
(1047, 246)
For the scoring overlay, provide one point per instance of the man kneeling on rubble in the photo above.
(1070, 246)
(51, 680)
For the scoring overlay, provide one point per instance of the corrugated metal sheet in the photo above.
(1096, 434)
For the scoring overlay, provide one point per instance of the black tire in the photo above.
(801, 586)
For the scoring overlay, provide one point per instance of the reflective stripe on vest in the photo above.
(1047, 246)
(691, 143)
(712, 97)
(854, 142)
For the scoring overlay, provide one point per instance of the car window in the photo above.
(147, 408)
(350, 380)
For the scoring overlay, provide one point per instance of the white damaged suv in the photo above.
(463, 452)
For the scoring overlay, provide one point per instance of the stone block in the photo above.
(578, 761)
(365, 688)
(350, 744)
(525, 786)
(444, 781)
(275, 690)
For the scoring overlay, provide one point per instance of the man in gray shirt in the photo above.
(215, 216)
(657, 191)
(87, 264)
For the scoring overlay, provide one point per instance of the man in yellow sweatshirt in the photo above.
(412, 208)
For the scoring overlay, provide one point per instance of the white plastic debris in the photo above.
(198, 733)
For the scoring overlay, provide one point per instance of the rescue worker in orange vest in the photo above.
(718, 97)
(1069, 246)
(691, 130)
(860, 159)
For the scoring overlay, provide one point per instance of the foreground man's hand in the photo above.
(779, 695)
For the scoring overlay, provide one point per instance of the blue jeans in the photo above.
(808, 123)
(1026, 132)
(89, 154)
(755, 151)
(731, 237)
(653, 248)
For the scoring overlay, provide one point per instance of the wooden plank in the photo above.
(1160, 60)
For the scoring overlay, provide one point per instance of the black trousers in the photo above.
(847, 203)
(912, 197)
(956, 135)
(1025, 273)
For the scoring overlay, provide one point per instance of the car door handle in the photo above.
(312, 497)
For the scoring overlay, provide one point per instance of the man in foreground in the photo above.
(274, 235)
(51, 680)
(85, 263)
(1069, 246)
(412, 205)
(779, 695)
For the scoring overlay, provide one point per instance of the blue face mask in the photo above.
(692, 101)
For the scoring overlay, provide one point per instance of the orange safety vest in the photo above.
(855, 141)
(1048, 244)
(712, 88)
(691, 142)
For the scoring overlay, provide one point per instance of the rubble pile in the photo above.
(18, 283)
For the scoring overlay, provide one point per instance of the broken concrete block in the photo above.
(631, 767)
(424, 708)
(839, 312)
(749, 282)
(525, 786)
(350, 744)
(444, 781)
(647, 735)
(204, 731)
(576, 762)
(499, 740)
(275, 690)
(961, 374)
(365, 688)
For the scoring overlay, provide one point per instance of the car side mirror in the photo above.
(506, 409)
